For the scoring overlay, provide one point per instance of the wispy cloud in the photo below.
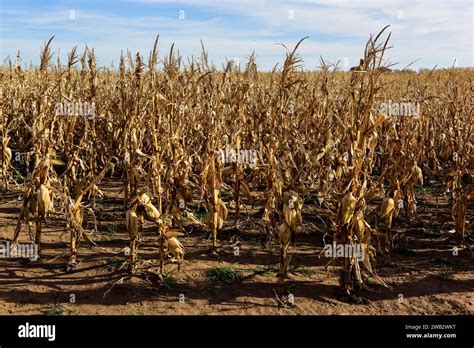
(433, 32)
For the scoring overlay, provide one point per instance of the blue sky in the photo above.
(435, 32)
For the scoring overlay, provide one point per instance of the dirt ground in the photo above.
(426, 276)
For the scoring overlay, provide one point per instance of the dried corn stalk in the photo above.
(291, 220)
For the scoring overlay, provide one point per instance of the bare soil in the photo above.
(426, 275)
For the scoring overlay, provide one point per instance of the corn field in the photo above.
(312, 154)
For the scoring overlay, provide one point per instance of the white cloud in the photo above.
(435, 32)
